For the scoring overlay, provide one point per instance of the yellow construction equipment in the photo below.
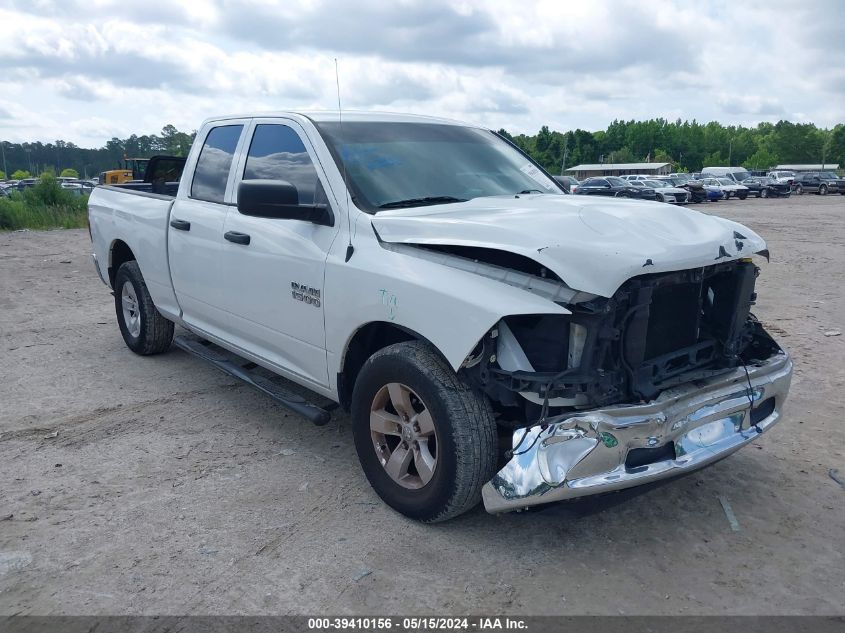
(130, 169)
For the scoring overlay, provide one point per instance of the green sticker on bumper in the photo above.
(608, 440)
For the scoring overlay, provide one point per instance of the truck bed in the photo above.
(139, 219)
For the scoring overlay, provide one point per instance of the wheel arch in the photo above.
(119, 254)
(366, 341)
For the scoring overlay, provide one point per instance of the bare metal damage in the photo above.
(578, 454)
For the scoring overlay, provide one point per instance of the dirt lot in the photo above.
(161, 486)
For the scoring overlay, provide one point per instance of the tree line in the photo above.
(36, 158)
(688, 145)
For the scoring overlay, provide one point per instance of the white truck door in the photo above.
(275, 280)
(195, 231)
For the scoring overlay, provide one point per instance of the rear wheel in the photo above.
(799, 190)
(143, 328)
(425, 439)
(742, 196)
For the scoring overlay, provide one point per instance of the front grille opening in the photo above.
(763, 411)
(639, 457)
(677, 323)
(673, 319)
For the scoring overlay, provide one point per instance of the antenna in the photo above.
(349, 248)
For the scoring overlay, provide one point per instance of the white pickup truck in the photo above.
(493, 337)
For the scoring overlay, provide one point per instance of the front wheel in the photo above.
(823, 190)
(425, 439)
(764, 193)
(143, 328)
(742, 196)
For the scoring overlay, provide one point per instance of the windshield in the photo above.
(657, 183)
(725, 181)
(618, 182)
(394, 165)
(826, 175)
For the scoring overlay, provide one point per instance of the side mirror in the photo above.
(279, 199)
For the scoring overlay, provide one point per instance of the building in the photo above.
(619, 169)
(819, 167)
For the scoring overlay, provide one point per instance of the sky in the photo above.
(88, 71)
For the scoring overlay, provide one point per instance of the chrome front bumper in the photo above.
(585, 453)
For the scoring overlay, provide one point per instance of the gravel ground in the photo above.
(161, 486)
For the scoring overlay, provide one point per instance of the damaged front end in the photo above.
(669, 374)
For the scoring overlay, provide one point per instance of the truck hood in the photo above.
(593, 244)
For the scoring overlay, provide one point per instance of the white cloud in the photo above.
(87, 71)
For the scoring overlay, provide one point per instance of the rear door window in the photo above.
(212, 171)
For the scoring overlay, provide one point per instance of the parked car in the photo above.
(729, 188)
(26, 183)
(567, 182)
(714, 192)
(636, 177)
(755, 188)
(713, 189)
(782, 176)
(695, 190)
(613, 187)
(771, 188)
(513, 348)
(836, 184)
(821, 183)
(682, 176)
(666, 192)
(73, 188)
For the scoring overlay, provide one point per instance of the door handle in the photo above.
(180, 225)
(237, 238)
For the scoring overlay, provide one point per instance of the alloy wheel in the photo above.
(404, 435)
(131, 311)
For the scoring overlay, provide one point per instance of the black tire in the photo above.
(742, 196)
(465, 431)
(799, 190)
(823, 190)
(155, 332)
(660, 198)
(764, 193)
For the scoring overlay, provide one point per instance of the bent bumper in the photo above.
(686, 428)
